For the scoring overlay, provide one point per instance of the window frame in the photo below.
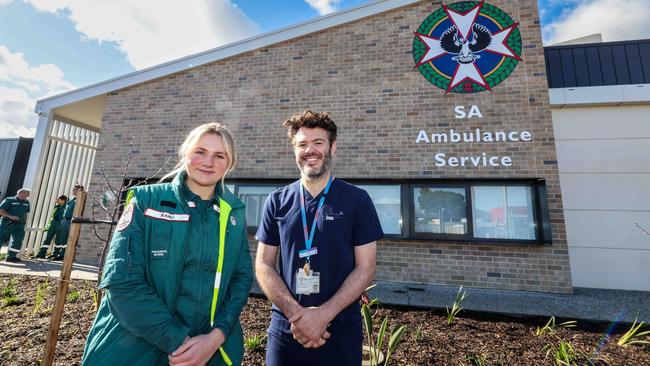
(440, 236)
(539, 201)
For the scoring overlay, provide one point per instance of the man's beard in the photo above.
(316, 173)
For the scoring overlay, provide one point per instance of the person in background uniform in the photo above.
(179, 268)
(54, 225)
(325, 231)
(61, 241)
(12, 224)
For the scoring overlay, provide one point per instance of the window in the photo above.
(386, 199)
(503, 212)
(440, 210)
(462, 211)
(254, 198)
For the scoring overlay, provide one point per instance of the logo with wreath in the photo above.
(467, 47)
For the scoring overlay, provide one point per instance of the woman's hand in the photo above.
(197, 351)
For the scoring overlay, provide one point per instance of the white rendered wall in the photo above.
(604, 162)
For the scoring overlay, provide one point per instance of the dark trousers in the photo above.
(342, 349)
(61, 241)
(51, 232)
(15, 231)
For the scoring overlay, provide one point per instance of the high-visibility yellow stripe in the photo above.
(224, 214)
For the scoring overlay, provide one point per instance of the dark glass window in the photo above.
(503, 212)
(440, 210)
(254, 197)
(388, 204)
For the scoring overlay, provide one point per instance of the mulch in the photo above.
(493, 339)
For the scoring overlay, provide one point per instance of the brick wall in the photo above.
(363, 74)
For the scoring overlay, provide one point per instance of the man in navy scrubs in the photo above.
(325, 231)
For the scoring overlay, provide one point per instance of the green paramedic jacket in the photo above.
(145, 331)
(55, 218)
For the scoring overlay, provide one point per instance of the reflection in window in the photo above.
(254, 198)
(387, 203)
(440, 210)
(503, 212)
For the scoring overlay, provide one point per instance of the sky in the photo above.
(51, 46)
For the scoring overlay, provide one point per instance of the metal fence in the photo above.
(67, 160)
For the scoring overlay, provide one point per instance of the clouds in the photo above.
(615, 19)
(20, 85)
(150, 32)
(324, 6)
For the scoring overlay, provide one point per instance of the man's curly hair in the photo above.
(310, 119)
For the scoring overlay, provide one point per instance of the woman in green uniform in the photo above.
(54, 225)
(179, 269)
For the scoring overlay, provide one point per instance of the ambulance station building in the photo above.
(482, 176)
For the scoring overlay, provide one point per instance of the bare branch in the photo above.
(164, 166)
(105, 177)
(642, 229)
(92, 213)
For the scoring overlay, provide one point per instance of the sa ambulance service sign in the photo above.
(467, 47)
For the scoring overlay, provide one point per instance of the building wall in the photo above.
(605, 174)
(8, 153)
(363, 74)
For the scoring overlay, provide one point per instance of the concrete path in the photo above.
(587, 304)
(41, 267)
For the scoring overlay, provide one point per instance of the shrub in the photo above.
(551, 327)
(456, 308)
(73, 296)
(633, 336)
(376, 344)
(254, 343)
(41, 290)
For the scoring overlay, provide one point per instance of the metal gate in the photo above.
(68, 160)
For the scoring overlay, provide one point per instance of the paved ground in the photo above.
(586, 304)
(40, 267)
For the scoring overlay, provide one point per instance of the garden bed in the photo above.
(495, 340)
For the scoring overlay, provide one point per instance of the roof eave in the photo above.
(216, 54)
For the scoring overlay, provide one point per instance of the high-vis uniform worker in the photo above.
(12, 224)
(61, 241)
(179, 269)
(54, 226)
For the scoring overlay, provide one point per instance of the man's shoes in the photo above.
(57, 259)
(12, 260)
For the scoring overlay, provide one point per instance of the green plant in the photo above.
(565, 354)
(41, 290)
(419, 337)
(73, 296)
(477, 360)
(551, 327)
(375, 345)
(10, 289)
(254, 343)
(633, 335)
(3, 256)
(93, 291)
(11, 300)
(456, 308)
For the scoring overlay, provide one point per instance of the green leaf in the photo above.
(395, 338)
(367, 321)
(382, 333)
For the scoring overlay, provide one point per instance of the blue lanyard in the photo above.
(309, 238)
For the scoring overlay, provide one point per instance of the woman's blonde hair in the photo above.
(213, 128)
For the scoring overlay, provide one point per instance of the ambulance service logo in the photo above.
(467, 47)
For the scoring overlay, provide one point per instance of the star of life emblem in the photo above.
(467, 47)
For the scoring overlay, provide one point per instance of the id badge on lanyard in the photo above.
(308, 281)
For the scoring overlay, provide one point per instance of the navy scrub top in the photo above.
(348, 219)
